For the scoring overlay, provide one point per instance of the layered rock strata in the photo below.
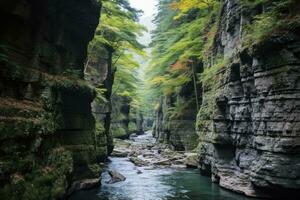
(175, 119)
(126, 120)
(47, 128)
(251, 142)
(100, 74)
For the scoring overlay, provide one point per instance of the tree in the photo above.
(184, 34)
(118, 33)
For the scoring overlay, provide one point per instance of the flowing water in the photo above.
(155, 184)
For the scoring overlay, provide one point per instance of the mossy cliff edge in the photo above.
(248, 123)
(248, 118)
(47, 129)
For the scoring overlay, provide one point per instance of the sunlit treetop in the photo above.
(184, 6)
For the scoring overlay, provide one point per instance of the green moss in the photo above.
(70, 84)
(118, 131)
(83, 154)
(89, 171)
(12, 192)
(100, 135)
(132, 127)
(64, 82)
(36, 123)
(207, 109)
(46, 180)
(50, 181)
(119, 117)
(274, 20)
(211, 73)
(10, 111)
(210, 79)
(95, 170)
(99, 127)
(101, 153)
(22, 127)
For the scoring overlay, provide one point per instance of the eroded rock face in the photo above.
(47, 128)
(120, 117)
(126, 119)
(252, 144)
(101, 75)
(177, 128)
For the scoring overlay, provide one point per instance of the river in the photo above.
(155, 183)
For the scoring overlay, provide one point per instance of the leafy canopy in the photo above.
(117, 36)
(183, 35)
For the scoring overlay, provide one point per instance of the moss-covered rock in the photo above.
(176, 118)
(132, 127)
(45, 180)
(119, 131)
(45, 105)
(248, 102)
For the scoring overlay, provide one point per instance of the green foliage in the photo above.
(132, 128)
(118, 27)
(208, 76)
(101, 94)
(178, 45)
(126, 77)
(185, 6)
(276, 17)
(118, 131)
(99, 128)
(118, 34)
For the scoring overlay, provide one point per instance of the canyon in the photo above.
(55, 133)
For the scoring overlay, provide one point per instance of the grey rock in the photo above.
(116, 177)
(139, 162)
(50, 113)
(251, 144)
(191, 160)
(84, 185)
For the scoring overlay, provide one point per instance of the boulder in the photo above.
(115, 177)
(163, 162)
(119, 153)
(139, 162)
(191, 160)
(84, 185)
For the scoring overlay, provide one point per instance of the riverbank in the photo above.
(152, 174)
(144, 151)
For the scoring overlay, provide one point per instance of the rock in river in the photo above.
(139, 162)
(115, 177)
(119, 153)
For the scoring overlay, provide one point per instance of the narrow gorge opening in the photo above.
(149, 100)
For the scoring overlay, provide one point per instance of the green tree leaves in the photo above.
(179, 41)
(118, 33)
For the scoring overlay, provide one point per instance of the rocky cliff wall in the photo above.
(120, 117)
(46, 124)
(250, 143)
(126, 120)
(100, 74)
(175, 119)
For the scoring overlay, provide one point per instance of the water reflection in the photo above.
(156, 184)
